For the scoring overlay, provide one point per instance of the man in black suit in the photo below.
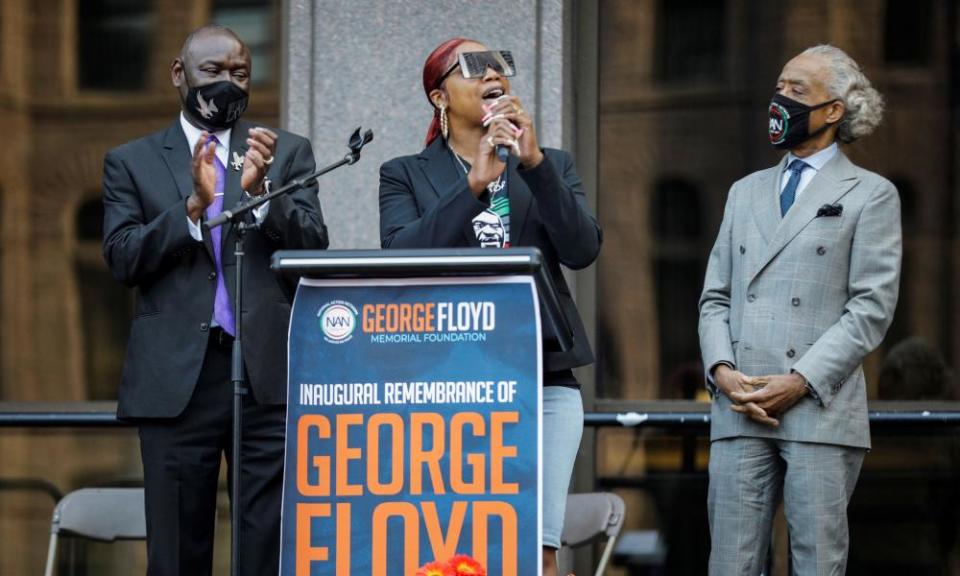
(176, 378)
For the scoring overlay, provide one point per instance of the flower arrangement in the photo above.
(461, 565)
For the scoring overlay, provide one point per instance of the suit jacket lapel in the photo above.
(442, 172)
(438, 166)
(829, 185)
(231, 189)
(520, 197)
(765, 200)
(178, 156)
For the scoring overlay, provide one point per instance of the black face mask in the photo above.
(216, 106)
(790, 122)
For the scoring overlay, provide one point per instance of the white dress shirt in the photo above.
(223, 154)
(815, 161)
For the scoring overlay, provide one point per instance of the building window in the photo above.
(690, 40)
(2, 258)
(115, 37)
(3, 48)
(677, 222)
(254, 22)
(89, 221)
(901, 328)
(907, 32)
(105, 326)
(913, 368)
(909, 217)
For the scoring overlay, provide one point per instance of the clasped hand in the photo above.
(761, 398)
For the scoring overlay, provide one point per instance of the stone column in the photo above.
(356, 63)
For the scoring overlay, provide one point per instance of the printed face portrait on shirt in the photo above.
(489, 229)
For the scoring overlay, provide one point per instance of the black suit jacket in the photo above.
(147, 245)
(425, 202)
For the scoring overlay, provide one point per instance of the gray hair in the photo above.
(864, 105)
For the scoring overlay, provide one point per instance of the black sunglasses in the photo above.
(475, 64)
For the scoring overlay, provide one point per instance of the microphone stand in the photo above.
(236, 216)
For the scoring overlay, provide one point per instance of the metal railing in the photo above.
(668, 415)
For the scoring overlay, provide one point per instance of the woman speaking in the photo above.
(482, 180)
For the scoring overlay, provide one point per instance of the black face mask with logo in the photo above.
(790, 122)
(216, 106)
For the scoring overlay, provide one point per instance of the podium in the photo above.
(413, 414)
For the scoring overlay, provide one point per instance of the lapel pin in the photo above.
(237, 161)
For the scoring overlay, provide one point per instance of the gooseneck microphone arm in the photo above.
(356, 143)
(237, 373)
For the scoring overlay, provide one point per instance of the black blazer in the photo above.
(147, 245)
(425, 202)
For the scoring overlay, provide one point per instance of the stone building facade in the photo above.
(78, 78)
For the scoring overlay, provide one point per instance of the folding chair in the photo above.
(104, 514)
(590, 516)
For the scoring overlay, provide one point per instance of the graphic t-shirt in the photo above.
(492, 226)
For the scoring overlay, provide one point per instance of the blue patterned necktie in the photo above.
(222, 309)
(789, 193)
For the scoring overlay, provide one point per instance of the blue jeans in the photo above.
(562, 430)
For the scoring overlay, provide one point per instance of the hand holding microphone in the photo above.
(509, 129)
(491, 116)
(521, 136)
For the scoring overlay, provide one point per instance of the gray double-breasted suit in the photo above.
(814, 292)
(805, 292)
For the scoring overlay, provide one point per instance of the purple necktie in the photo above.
(222, 308)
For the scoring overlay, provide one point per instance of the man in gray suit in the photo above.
(801, 285)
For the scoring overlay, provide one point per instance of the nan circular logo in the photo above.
(338, 320)
(779, 123)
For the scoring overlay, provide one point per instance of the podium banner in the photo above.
(413, 426)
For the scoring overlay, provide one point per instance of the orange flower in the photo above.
(434, 569)
(464, 565)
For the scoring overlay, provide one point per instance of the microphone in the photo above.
(503, 152)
